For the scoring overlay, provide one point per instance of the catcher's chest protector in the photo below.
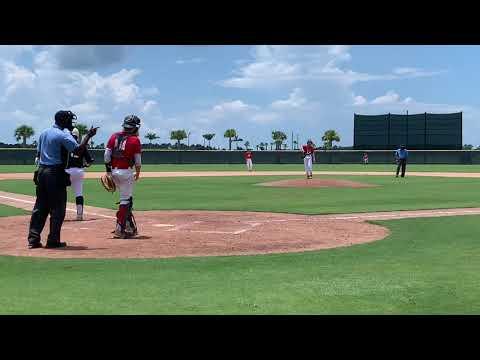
(119, 147)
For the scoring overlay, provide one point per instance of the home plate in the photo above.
(163, 225)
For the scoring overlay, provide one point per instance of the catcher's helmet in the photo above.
(65, 119)
(131, 123)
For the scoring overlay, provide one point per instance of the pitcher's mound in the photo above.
(317, 183)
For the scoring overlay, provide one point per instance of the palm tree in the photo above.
(278, 138)
(151, 136)
(24, 132)
(82, 130)
(230, 133)
(208, 137)
(178, 135)
(329, 137)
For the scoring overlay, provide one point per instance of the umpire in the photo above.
(54, 144)
(401, 156)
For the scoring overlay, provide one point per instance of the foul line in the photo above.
(72, 210)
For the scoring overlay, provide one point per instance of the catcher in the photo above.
(122, 153)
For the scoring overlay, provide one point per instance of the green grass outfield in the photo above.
(242, 193)
(427, 266)
(272, 167)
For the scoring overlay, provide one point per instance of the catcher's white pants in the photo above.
(124, 180)
(76, 177)
(249, 164)
(308, 163)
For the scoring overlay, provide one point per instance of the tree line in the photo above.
(24, 132)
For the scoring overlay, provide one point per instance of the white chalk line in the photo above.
(68, 209)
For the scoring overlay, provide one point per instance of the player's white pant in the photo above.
(307, 161)
(124, 180)
(249, 165)
(76, 177)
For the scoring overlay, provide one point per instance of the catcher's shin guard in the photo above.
(126, 224)
(131, 224)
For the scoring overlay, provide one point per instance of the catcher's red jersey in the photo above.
(248, 155)
(124, 147)
(308, 149)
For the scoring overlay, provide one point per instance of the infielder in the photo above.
(248, 160)
(308, 158)
(124, 151)
(75, 166)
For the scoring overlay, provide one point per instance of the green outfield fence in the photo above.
(27, 156)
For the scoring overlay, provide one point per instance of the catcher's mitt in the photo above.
(108, 183)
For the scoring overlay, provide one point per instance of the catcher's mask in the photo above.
(65, 119)
(131, 123)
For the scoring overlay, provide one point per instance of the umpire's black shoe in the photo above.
(55, 245)
(35, 245)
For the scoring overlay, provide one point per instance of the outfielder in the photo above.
(308, 158)
(75, 166)
(248, 160)
(124, 151)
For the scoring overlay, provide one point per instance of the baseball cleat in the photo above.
(35, 245)
(55, 245)
(79, 217)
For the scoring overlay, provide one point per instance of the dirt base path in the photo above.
(168, 174)
(201, 233)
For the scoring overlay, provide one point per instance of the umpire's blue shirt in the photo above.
(402, 153)
(50, 145)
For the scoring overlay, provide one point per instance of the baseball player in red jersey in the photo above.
(308, 158)
(124, 151)
(365, 158)
(248, 159)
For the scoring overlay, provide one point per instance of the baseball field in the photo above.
(218, 240)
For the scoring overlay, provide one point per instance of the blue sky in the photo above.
(254, 89)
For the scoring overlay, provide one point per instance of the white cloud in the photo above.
(32, 94)
(231, 106)
(83, 57)
(17, 77)
(359, 100)
(411, 72)
(295, 100)
(391, 97)
(84, 108)
(275, 65)
(148, 106)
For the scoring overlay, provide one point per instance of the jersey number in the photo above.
(122, 145)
